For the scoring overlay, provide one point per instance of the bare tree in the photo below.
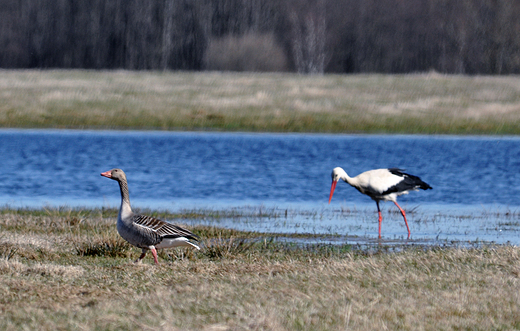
(309, 39)
(167, 33)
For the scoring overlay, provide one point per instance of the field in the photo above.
(68, 269)
(64, 269)
(420, 103)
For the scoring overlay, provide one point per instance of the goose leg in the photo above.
(141, 257)
(154, 252)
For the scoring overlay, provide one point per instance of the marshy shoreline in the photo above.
(68, 269)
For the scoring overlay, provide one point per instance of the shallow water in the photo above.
(475, 180)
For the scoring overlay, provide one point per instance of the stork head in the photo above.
(115, 174)
(337, 174)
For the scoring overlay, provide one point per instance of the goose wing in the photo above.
(162, 228)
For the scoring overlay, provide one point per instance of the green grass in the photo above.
(419, 103)
(68, 270)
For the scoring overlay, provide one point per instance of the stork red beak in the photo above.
(107, 174)
(332, 188)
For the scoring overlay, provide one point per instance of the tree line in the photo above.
(306, 36)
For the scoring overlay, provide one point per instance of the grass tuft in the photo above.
(108, 246)
(7, 250)
(219, 247)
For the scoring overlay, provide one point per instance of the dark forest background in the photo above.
(306, 36)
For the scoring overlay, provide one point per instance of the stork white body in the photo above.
(381, 184)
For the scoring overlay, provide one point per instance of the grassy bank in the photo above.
(69, 270)
(422, 103)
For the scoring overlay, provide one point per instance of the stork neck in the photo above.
(350, 180)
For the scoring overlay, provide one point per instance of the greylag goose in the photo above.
(146, 232)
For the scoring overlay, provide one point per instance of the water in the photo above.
(475, 180)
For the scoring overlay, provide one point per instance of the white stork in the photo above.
(381, 184)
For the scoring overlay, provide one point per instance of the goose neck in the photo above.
(125, 197)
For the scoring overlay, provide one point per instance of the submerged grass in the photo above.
(418, 103)
(61, 274)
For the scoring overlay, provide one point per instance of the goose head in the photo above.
(115, 174)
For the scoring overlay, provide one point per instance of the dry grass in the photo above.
(420, 103)
(46, 283)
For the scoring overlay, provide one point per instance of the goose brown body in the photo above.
(145, 232)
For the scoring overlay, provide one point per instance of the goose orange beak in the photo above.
(107, 174)
(332, 188)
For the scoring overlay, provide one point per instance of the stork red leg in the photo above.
(380, 218)
(404, 216)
